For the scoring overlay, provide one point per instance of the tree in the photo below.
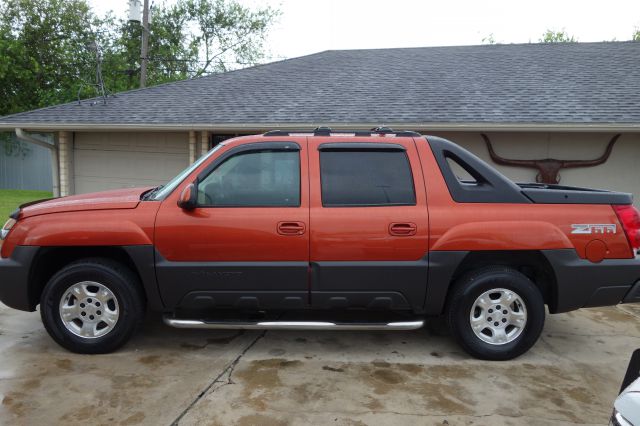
(551, 36)
(49, 49)
(41, 44)
(490, 39)
(636, 35)
(227, 35)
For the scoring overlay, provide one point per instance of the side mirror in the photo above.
(187, 200)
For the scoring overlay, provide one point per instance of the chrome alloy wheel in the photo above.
(89, 309)
(498, 316)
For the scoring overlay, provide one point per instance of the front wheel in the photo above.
(92, 306)
(496, 313)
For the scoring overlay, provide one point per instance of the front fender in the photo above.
(118, 227)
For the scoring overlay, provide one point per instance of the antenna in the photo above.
(99, 85)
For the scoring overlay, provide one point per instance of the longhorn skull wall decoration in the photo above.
(549, 168)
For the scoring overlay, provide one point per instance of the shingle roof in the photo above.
(580, 83)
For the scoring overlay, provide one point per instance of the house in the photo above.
(533, 101)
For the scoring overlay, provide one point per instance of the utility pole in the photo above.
(145, 44)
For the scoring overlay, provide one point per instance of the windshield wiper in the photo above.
(148, 195)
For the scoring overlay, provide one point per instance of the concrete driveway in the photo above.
(188, 377)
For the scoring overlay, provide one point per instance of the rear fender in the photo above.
(503, 235)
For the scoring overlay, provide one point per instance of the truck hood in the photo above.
(127, 198)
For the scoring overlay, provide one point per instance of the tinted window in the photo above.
(461, 174)
(366, 178)
(253, 179)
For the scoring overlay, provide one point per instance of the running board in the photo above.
(290, 325)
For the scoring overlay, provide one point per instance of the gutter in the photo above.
(55, 175)
(259, 127)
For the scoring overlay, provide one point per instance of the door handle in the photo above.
(403, 229)
(291, 228)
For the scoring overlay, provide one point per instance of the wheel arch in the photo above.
(532, 263)
(139, 259)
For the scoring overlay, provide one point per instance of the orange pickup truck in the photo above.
(374, 230)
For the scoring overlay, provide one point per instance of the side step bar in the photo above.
(290, 325)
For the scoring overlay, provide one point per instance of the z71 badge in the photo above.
(586, 228)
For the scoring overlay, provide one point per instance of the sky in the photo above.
(309, 26)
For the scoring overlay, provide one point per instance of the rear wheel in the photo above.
(92, 306)
(496, 313)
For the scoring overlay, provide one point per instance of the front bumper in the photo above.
(581, 283)
(14, 278)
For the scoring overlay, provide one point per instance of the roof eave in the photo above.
(244, 127)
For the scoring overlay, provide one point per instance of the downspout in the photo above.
(55, 175)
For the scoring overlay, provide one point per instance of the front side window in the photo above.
(366, 178)
(253, 179)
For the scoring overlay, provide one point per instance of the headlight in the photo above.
(6, 228)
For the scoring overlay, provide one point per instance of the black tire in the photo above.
(463, 297)
(123, 285)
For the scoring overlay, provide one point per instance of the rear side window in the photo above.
(366, 178)
(460, 172)
(253, 179)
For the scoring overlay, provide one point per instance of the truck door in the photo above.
(369, 224)
(246, 244)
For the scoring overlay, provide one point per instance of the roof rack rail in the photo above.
(327, 131)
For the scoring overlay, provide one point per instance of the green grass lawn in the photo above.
(10, 199)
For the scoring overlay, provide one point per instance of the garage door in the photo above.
(122, 160)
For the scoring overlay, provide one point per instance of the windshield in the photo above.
(171, 185)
